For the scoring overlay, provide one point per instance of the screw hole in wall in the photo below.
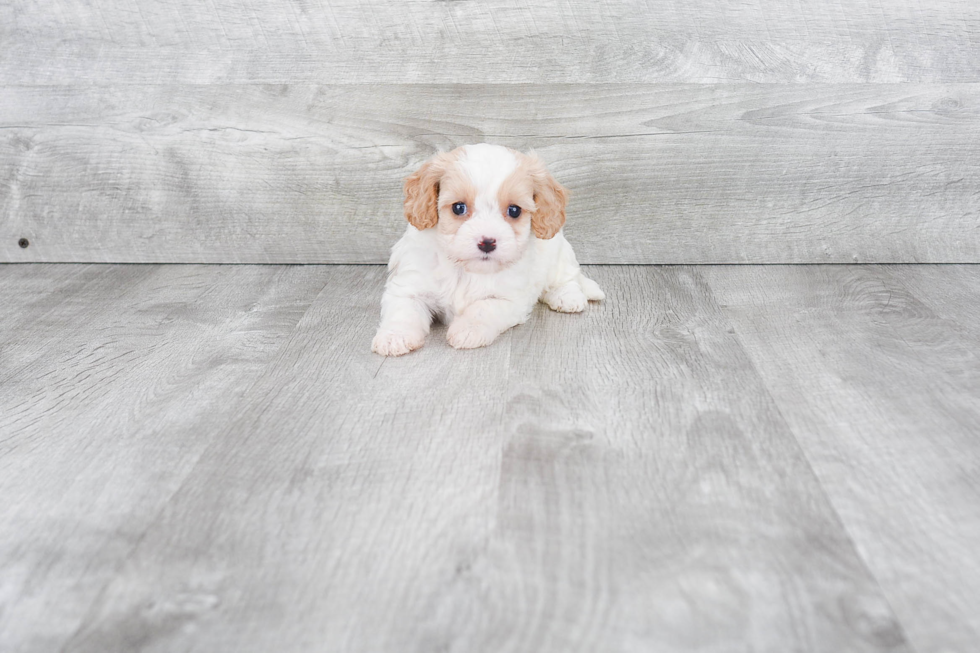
(23, 242)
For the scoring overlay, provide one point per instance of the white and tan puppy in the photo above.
(483, 245)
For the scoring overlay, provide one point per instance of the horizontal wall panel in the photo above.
(513, 41)
(658, 173)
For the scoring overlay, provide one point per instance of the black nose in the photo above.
(488, 245)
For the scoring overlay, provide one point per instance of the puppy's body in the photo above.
(480, 271)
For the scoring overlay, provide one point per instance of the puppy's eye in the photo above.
(514, 211)
(459, 208)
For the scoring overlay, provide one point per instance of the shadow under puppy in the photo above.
(483, 245)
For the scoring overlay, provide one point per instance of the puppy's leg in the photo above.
(591, 289)
(572, 290)
(566, 298)
(483, 321)
(405, 322)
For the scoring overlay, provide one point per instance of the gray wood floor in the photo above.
(779, 458)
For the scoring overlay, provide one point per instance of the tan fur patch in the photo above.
(518, 189)
(455, 187)
(422, 190)
(549, 197)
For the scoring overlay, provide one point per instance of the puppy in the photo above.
(483, 245)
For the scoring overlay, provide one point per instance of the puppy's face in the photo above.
(485, 201)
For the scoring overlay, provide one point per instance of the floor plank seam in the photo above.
(820, 482)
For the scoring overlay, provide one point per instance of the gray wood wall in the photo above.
(688, 131)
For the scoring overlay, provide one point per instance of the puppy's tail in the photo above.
(591, 289)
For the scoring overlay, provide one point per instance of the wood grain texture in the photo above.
(111, 386)
(513, 41)
(348, 500)
(948, 291)
(653, 499)
(617, 480)
(659, 174)
(880, 380)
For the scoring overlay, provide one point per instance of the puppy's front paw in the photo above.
(396, 343)
(591, 289)
(567, 299)
(468, 334)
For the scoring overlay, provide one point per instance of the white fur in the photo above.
(478, 295)
(487, 165)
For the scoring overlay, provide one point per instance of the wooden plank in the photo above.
(513, 41)
(616, 480)
(107, 399)
(884, 395)
(659, 174)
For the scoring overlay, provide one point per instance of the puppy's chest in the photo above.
(460, 289)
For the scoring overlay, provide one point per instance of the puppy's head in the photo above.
(485, 201)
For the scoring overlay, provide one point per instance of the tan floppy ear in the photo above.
(550, 198)
(422, 194)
